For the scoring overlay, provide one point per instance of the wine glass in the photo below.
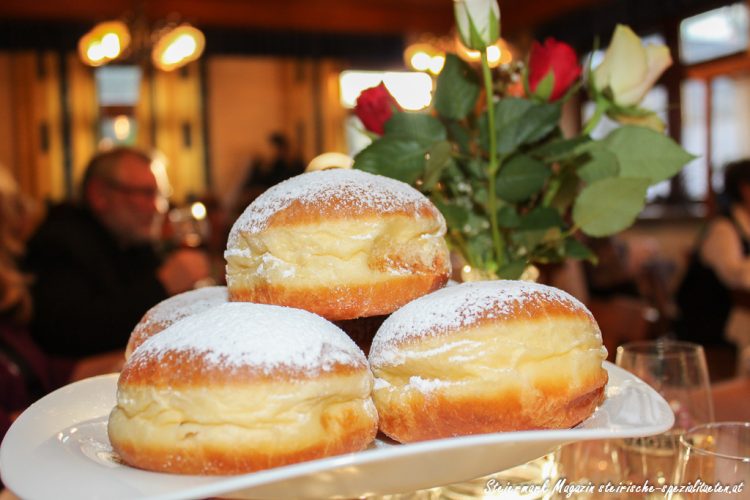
(677, 371)
(716, 454)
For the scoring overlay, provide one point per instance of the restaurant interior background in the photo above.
(287, 65)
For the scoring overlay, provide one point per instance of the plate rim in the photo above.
(227, 484)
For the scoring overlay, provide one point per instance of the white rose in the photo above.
(629, 69)
(478, 22)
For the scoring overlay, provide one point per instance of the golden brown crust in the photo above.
(178, 369)
(241, 459)
(432, 415)
(345, 302)
(343, 207)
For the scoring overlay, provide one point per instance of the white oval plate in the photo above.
(58, 448)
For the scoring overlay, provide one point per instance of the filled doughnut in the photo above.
(174, 309)
(242, 387)
(487, 357)
(343, 244)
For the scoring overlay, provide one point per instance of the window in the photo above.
(714, 33)
(117, 90)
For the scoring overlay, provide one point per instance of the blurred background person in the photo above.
(94, 264)
(285, 162)
(714, 296)
(24, 373)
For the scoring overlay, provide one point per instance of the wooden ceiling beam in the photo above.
(352, 16)
(524, 15)
(381, 16)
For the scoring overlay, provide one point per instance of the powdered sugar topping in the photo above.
(343, 186)
(239, 334)
(456, 307)
(186, 304)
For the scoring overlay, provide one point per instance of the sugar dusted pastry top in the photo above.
(472, 305)
(174, 309)
(186, 304)
(334, 193)
(260, 340)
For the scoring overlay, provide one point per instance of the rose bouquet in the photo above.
(513, 188)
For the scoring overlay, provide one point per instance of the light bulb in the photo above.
(178, 47)
(420, 61)
(198, 210)
(95, 52)
(436, 64)
(111, 45)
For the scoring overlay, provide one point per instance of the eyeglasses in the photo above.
(134, 191)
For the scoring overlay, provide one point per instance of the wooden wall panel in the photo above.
(32, 121)
(178, 120)
(245, 104)
(84, 115)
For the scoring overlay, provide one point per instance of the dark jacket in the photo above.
(88, 291)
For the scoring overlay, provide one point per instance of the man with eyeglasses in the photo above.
(94, 264)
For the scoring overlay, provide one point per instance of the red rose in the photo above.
(558, 58)
(375, 107)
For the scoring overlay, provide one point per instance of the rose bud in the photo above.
(374, 108)
(478, 22)
(556, 61)
(629, 69)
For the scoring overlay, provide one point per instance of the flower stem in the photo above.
(601, 108)
(494, 163)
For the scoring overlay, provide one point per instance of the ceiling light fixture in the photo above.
(177, 47)
(171, 47)
(427, 54)
(104, 43)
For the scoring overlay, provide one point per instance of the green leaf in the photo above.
(507, 217)
(567, 192)
(644, 153)
(438, 159)
(480, 249)
(480, 194)
(475, 224)
(608, 206)
(396, 158)
(460, 135)
(541, 218)
(424, 129)
(455, 215)
(457, 89)
(477, 168)
(574, 249)
(599, 164)
(512, 270)
(521, 121)
(520, 178)
(559, 149)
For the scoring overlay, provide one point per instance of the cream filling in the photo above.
(357, 252)
(516, 356)
(268, 416)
